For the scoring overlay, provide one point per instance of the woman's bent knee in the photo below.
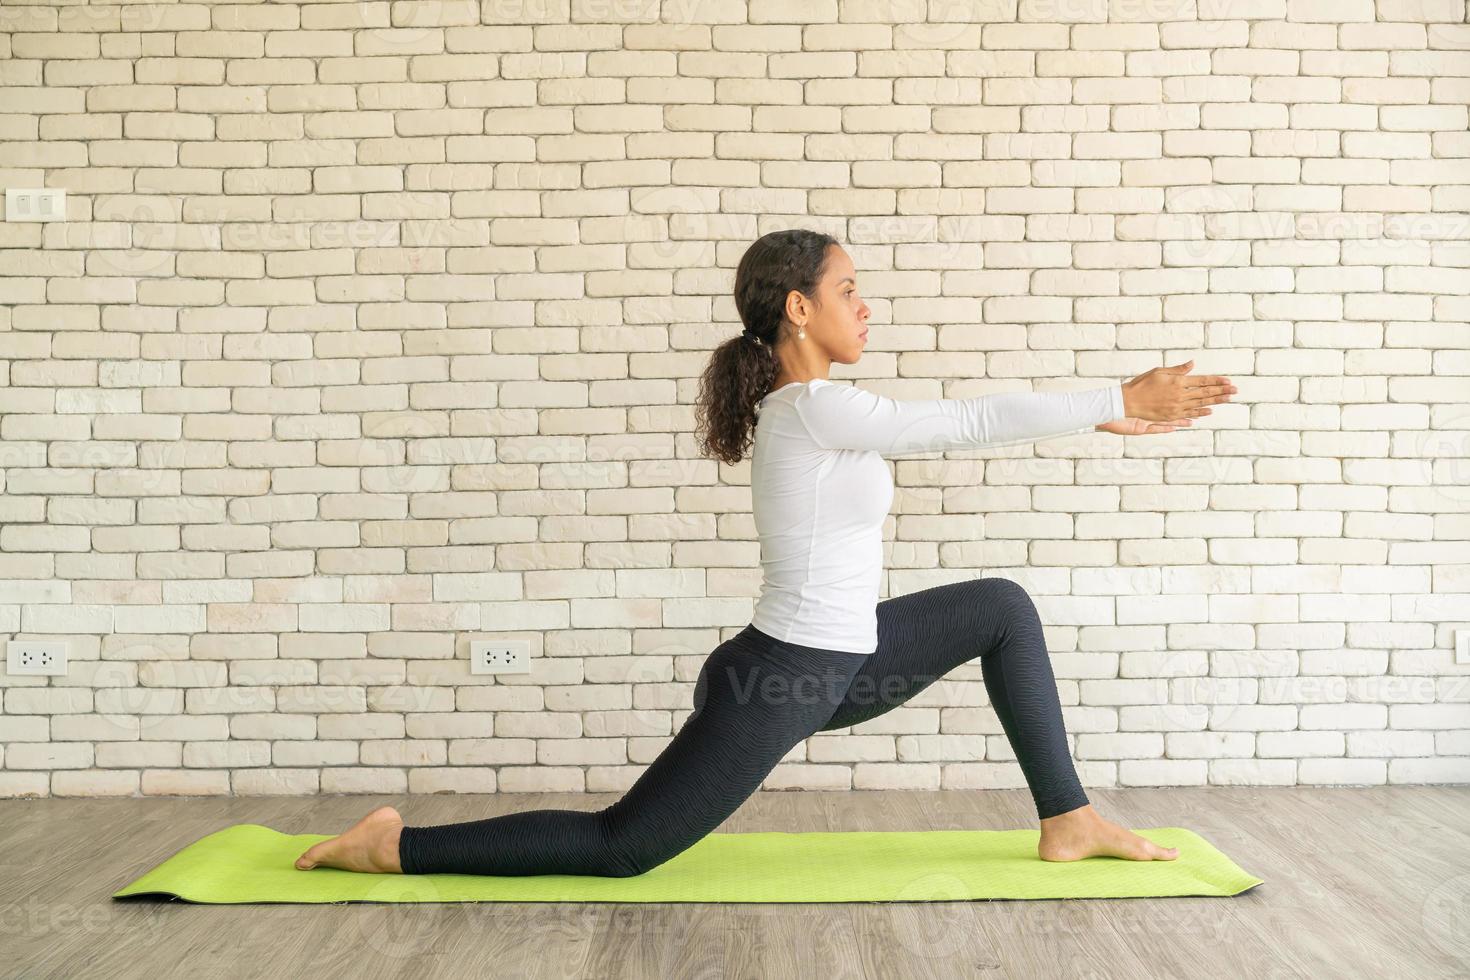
(632, 862)
(1005, 590)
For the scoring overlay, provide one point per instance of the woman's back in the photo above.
(819, 515)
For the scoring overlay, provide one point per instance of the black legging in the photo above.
(756, 698)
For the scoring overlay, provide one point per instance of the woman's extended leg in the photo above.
(923, 635)
(754, 700)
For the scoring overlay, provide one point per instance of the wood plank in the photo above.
(1359, 881)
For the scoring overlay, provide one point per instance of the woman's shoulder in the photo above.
(797, 386)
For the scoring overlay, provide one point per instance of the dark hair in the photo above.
(741, 369)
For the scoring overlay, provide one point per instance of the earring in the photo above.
(802, 335)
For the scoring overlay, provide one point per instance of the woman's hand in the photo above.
(1140, 427)
(1170, 395)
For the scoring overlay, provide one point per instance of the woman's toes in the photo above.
(311, 856)
(1165, 853)
(370, 845)
(1136, 847)
(1147, 850)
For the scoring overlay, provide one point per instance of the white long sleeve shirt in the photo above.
(820, 489)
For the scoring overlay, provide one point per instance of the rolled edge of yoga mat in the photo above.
(251, 863)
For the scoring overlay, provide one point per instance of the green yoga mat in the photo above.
(250, 863)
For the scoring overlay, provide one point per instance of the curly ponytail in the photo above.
(741, 370)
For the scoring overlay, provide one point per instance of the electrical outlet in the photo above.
(1462, 646)
(36, 657)
(500, 656)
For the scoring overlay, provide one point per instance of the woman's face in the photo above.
(838, 322)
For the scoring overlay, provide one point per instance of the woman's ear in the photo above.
(793, 305)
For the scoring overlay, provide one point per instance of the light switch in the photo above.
(35, 204)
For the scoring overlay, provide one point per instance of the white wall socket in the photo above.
(500, 656)
(1462, 646)
(36, 657)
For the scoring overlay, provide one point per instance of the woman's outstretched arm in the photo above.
(848, 417)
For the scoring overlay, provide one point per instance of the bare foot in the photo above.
(371, 845)
(1082, 833)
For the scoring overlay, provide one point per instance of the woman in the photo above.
(821, 652)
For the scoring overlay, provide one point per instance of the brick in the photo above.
(410, 357)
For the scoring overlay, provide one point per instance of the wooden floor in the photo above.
(1358, 883)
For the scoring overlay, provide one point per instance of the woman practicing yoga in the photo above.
(821, 652)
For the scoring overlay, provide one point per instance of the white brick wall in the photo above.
(375, 328)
